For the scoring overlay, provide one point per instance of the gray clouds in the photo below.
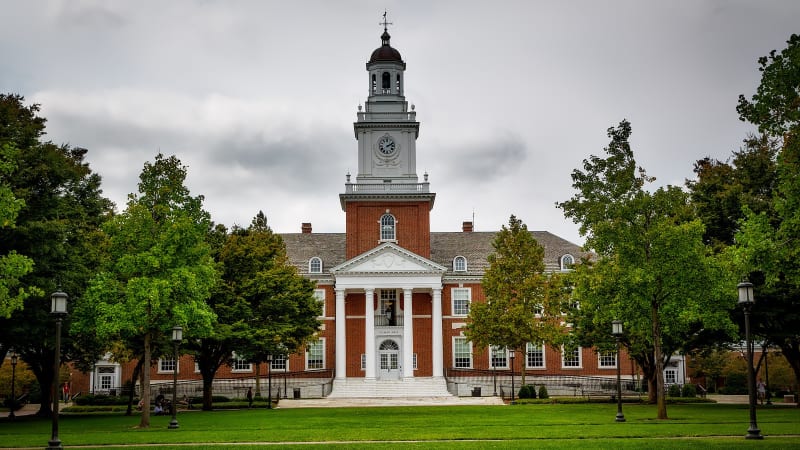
(257, 98)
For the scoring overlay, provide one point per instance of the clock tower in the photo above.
(387, 203)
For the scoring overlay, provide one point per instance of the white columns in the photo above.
(369, 332)
(341, 336)
(438, 370)
(408, 335)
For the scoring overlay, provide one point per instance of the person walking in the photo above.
(761, 389)
(249, 397)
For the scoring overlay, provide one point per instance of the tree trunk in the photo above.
(258, 379)
(145, 421)
(660, 400)
(208, 386)
(136, 371)
(790, 348)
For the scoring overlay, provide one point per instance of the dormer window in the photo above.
(388, 228)
(315, 265)
(459, 264)
(567, 261)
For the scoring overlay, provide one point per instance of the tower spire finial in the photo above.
(385, 23)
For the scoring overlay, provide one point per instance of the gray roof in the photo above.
(445, 246)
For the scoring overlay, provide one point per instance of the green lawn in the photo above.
(547, 426)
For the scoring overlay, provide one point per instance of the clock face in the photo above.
(386, 145)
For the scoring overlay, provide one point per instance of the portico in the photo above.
(391, 283)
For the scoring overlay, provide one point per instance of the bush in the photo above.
(543, 392)
(674, 390)
(735, 383)
(99, 399)
(689, 391)
(527, 391)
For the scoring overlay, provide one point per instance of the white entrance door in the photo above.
(389, 360)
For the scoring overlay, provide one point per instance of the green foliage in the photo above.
(689, 391)
(543, 392)
(523, 304)
(160, 272)
(652, 271)
(263, 305)
(674, 390)
(56, 227)
(527, 391)
(766, 248)
(735, 383)
(92, 399)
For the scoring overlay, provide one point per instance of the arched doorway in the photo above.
(389, 360)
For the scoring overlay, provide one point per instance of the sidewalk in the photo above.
(378, 402)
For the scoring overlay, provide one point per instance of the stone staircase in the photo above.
(403, 388)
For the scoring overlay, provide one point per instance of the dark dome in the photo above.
(385, 52)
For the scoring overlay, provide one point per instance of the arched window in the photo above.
(386, 82)
(388, 228)
(315, 265)
(399, 91)
(389, 345)
(567, 261)
(374, 84)
(459, 264)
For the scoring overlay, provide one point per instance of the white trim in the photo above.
(498, 349)
(321, 342)
(579, 351)
(455, 264)
(544, 357)
(320, 295)
(453, 300)
(469, 344)
(177, 365)
(612, 354)
(311, 264)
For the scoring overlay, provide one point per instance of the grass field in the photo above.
(543, 426)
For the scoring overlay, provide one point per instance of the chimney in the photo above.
(466, 227)
(306, 227)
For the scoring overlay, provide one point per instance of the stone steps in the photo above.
(404, 388)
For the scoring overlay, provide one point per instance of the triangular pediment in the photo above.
(388, 258)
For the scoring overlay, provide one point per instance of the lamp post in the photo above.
(511, 354)
(13, 380)
(58, 308)
(616, 330)
(746, 300)
(269, 381)
(177, 337)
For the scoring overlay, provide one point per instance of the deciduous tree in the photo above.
(652, 271)
(523, 303)
(161, 271)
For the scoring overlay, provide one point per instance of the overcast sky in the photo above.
(258, 98)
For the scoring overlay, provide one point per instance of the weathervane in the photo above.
(385, 23)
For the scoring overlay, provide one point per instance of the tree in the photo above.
(57, 227)
(161, 271)
(767, 246)
(13, 266)
(263, 306)
(653, 271)
(523, 304)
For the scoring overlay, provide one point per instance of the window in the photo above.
(498, 357)
(388, 228)
(415, 361)
(319, 294)
(462, 353)
(315, 265)
(280, 363)
(106, 376)
(363, 361)
(607, 360)
(534, 356)
(459, 264)
(398, 84)
(386, 83)
(567, 261)
(374, 84)
(240, 364)
(315, 355)
(461, 299)
(387, 311)
(166, 365)
(571, 357)
(670, 376)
